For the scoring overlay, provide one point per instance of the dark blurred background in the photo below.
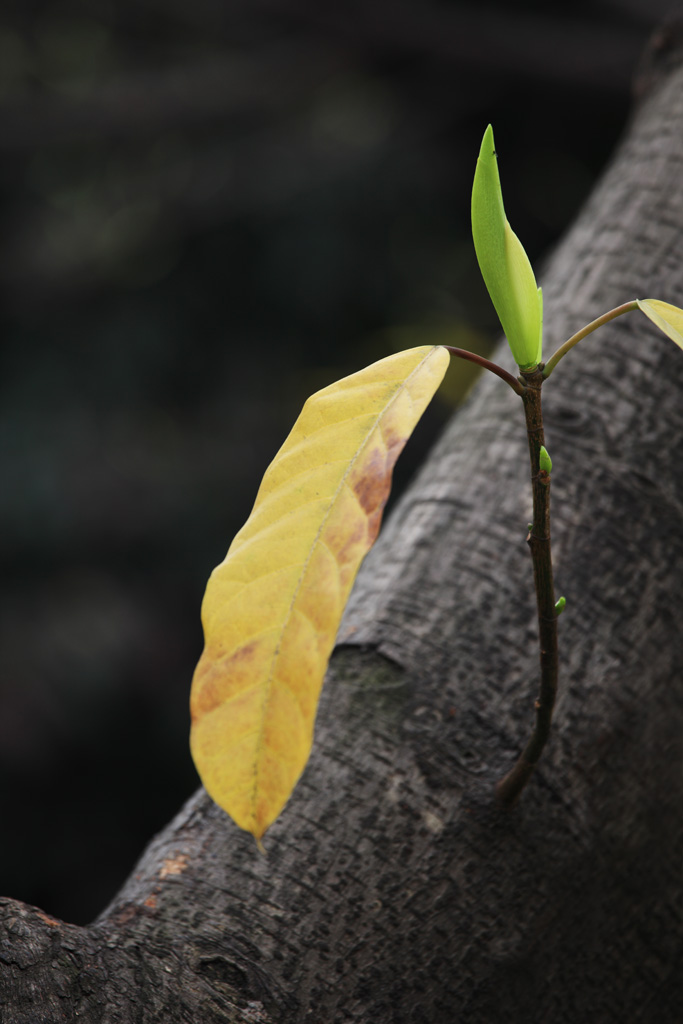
(207, 211)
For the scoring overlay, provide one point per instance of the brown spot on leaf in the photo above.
(345, 538)
(371, 484)
(217, 680)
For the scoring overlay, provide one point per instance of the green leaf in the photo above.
(544, 461)
(503, 262)
(668, 318)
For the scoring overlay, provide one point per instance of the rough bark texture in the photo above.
(392, 890)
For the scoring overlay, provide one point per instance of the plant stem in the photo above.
(510, 787)
(626, 307)
(463, 353)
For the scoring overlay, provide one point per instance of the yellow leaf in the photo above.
(668, 318)
(272, 608)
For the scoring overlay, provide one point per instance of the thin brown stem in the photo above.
(626, 307)
(510, 787)
(473, 357)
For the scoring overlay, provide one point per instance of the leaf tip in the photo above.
(488, 146)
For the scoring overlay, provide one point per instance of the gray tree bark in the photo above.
(393, 890)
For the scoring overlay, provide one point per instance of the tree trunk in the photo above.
(393, 890)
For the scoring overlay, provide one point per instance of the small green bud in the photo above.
(560, 605)
(503, 262)
(545, 463)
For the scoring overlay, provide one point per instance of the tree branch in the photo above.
(374, 902)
